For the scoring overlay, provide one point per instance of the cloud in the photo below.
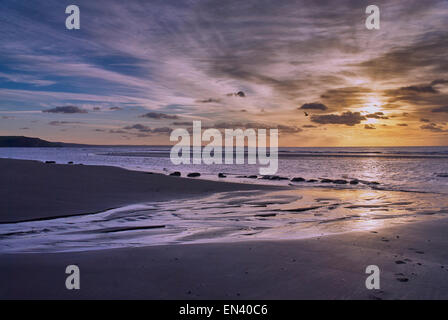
(402, 124)
(345, 97)
(139, 127)
(426, 53)
(347, 118)
(376, 115)
(65, 109)
(419, 89)
(424, 120)
(27, 79)
(439, 81)
(433, 127)
(146, 130)
(257, 125)
(314, 106)
(278, 55)
(441, 109)
(118, 131)
(210, 100)
(183, 123)
(61, 123)
(159, 116)
(369, 127)
(115, 108)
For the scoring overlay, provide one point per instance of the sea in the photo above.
(396, 185)
(423, 169)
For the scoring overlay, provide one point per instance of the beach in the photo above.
(33, 190)
(410, 251)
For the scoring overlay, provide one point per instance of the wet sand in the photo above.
(412, 258)
(33, 190)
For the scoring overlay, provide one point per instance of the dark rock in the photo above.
(222, 175)
(340, 181)
(326, 181)
(279, 178)
(298, 179)
(176, 174)
(275, 178)
(70, 162)
(403, 279)
(50, 162)
(354, 182)
(252, 177)
(312, 181)
(400, 262)
(443, 175)
(194, 175)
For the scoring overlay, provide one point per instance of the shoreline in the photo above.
(412, 257)
(35, 190)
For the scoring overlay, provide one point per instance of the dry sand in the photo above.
(412, 257)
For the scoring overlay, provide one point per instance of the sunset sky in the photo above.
(136, 70)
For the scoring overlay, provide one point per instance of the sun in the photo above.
(371, 109)
(372, 104)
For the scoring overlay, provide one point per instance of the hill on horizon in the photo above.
(28, 142)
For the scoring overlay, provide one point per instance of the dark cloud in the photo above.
(61, 123)
(139, 127)
(114, 108)
(369, 127)
(159, 116)
(345, 97)
(314, 106)
(441, 109)
(424, 120)
(118, 131)
(433, 127)
(142, 129)
(183, 123)
(240, 94)
(402, 124)
(161, 130)
(347, 118)
(419, 89)
(439, 81)
(66, 109)
(210, 100)
(428, 52)
(422, 95)
(309, 126)
(256, 125)
(376, 115)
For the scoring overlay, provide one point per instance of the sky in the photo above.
(136, 70)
